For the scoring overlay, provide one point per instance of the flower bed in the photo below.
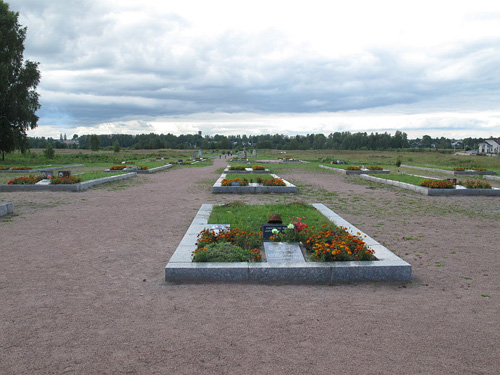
(25, 180)
(438, 184)
(375, 168)
(24, 168)
(65, 180)
(475, 184)
(117, 167)
(235, 182)
(352, 168)
(258, 168)
(237, 168)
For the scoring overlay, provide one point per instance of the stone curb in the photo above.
(434, 192)
(388, 267)
(6, 208)
(73, 187)
(218, 188)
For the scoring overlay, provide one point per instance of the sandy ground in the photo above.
(82, 286)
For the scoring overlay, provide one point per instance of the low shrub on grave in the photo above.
(375, 168)
(234, 182)
(20, 168)
(438, 184)
(25, 180)
(475, 184)
(273, 182)
(231, 244)
(258, 168)
(225, 252)
(352, 168)
(66, 180)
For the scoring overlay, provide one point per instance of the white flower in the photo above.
(275, 231)
(291, 226)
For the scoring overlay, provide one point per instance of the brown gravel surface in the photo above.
(82, 286)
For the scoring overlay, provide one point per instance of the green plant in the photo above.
(23, 180)
(49, 151)
(398, 161)
(225, 252)
(438, 184)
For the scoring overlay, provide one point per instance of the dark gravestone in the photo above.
(267, 230)
(64, 173)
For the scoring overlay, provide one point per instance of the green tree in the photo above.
(94, 142)
(49, 151)
(18, 82)
(116, 146)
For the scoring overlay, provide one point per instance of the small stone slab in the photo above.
(283, 252)
(43, 182)
(6, 208)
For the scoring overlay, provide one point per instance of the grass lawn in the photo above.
(251, 217)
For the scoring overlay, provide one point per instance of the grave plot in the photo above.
(284, 261)
(356, 170)
(60, 181)
(435, 187)
(458, 171)
(227, 184)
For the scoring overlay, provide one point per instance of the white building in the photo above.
(490, 146)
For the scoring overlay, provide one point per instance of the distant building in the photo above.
(490, 146)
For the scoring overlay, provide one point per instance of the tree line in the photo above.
(334, 141)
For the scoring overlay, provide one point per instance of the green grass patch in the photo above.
(409, 179)
(251, 217)
(249, 176)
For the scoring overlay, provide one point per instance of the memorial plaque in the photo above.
(267, 230)
(279, 252)
(64, 173)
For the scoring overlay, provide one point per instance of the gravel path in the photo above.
(82, 286)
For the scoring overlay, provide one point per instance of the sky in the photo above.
(265, 67)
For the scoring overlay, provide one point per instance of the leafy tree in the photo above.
(49, 151)
(116, 146)
(18, 81)
(94, 142)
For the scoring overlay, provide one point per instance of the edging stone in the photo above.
(6, 208)
(388, 267)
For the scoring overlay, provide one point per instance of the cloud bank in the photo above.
(265, 67)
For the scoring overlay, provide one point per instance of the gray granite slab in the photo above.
(283, 252)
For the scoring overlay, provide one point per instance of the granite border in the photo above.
(387, 267)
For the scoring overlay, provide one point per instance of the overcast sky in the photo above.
(259, 67)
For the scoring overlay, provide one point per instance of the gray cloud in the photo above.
(98, 68)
